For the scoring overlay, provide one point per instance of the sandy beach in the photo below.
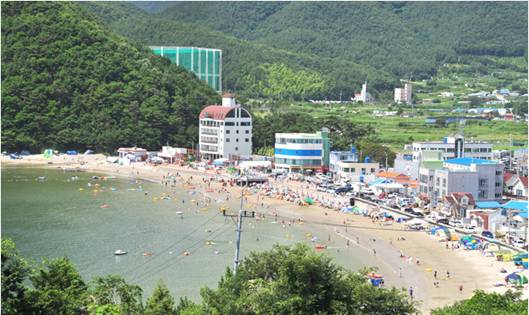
(467, 268)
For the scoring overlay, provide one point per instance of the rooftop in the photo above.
(316, 135)
(469, 161)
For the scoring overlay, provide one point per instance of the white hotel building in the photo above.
(225, 131)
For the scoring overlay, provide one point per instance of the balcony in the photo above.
(209, 132)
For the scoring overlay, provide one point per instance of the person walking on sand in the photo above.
(374, 252)
(461, 288)
(448, 274)
(435, 274)
(411, 292)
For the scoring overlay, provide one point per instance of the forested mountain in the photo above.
(69, 82)
(405, 38)
(248, 68)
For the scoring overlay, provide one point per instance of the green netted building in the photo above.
(205, 63)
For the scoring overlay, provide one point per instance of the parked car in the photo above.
(487, 234)
(469, 228)
(443, 221)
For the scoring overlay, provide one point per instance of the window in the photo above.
(246, 123)
(482, 194)
(246, 140)
(227, 139)
(372, 170)
(519, 192)
(363, 171)
(227, 132)
(247, 131)
(444, 182)
(497, 195)
(236, 148)
(237, 131)
(237, 140)
(353, 170)
(230, 123)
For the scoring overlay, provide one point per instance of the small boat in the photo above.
(320, 246)
(120, 252)
(179, 212)
(147, 254)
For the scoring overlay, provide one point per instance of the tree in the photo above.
(296, 280)
(509, 303)
(113, 290)
(370, 146)
(161, 302)
(15, 270)
(57, 288)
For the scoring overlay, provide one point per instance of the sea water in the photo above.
(51, 213)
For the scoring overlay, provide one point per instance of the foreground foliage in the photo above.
(69, 83)
(283, 280)
(295, 280)
(487, 303)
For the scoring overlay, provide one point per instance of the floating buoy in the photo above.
(104, 206)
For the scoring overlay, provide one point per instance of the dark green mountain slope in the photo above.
(68, 82)
(405, 38)
(241, 59)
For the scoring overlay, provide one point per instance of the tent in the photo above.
(470, 242)
(309, 200)
(48, 153)
(516, 278)
(401, 219)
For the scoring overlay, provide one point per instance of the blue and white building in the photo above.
(338, 156)
(296, 152)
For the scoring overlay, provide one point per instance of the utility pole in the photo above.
(242, 214)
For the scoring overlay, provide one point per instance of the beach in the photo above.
(467, 268)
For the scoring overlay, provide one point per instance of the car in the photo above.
(443, 221)
(519, 243)
(487, 234)
(343, 190)
(469, 228)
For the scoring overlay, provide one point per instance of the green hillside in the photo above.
(409, 39)
(68, 82)
(246, 65)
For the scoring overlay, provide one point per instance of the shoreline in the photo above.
(468, 268)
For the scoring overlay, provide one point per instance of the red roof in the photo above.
(459, 195)
(507, 176)
(215, 112)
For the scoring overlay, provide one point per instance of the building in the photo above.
(302, 151)
(357, 172)
(134, 154)
(338, 156)
(205, 63)
(481, 178)
(225, 130)
(363, 96)
(403, 95)
(519, 187)
(451, 147)
(454, 147)
(458, 203)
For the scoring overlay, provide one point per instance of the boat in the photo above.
(120, 252)
(320, 246)
(179, 212)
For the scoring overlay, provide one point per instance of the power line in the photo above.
(168, 263)
(172, 245)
